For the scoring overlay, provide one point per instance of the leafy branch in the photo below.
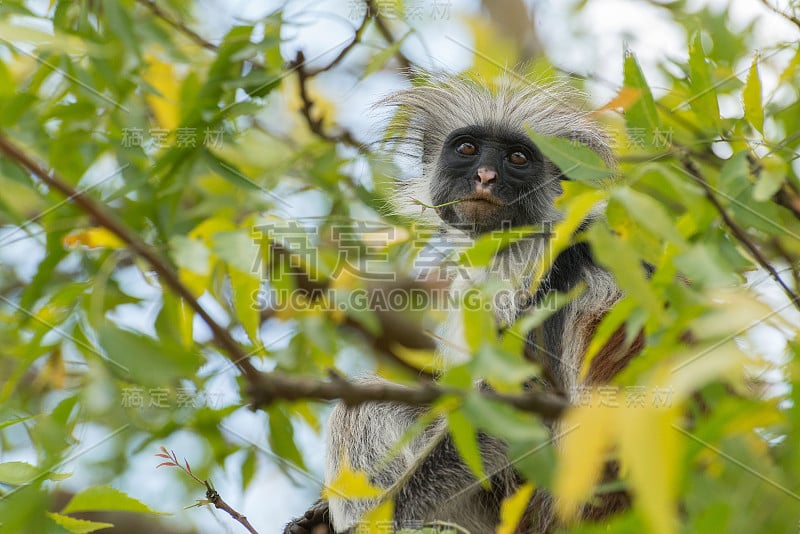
(694, 172)
(304, 75)
(266, 388)
(104, 217)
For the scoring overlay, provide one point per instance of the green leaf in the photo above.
(377, 61)
(734, 175)
(230, 172)
(18, 473)
(190, 254)
(145, 360)
(245, 286)
(479, 321)
(702, 264)
(502, 420)
(575, 160)
(704, 96)
(770, 179)
(642, 114)
(237, 249)
(78, 526)
(484, 249)
(624, 261)
(465, 439)
(14, 421)
(649, 213)
(281, 437)
(753, 109)
(105, 499)
(249, 467)
(120, 25)
(259, 82)
(790, 70)
(502, 369)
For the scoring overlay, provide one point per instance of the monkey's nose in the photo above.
(486, 175)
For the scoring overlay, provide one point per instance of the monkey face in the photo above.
(493, 177)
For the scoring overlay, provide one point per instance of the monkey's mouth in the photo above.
(481, 208)
(481, 196)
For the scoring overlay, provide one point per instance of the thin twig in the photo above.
(791, 18)
(212, 497)
(738, 232)
(346, 50)
(787, 256)
(216, 500)
(178, 25)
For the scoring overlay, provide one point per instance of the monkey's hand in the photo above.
(316, 520)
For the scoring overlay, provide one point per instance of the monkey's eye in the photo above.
(518, 158)
(467, 149)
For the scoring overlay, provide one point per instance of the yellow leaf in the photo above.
(513, 508)
(196, 282)
(351, 484)
(697, 368)
(244, 286)
(588, 435)
(209, 227)
(161, 77)
(498, 53)
(93, 238)
(649, 447)
(377, 520)
(53, 373)
(186, 323)
(626, 97)
(424, 359)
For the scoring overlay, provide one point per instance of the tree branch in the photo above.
(279, 386)
(693, 171)
(266, 388)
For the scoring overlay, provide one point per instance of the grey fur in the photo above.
(439, 486)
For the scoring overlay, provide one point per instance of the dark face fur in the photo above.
(499, 178)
